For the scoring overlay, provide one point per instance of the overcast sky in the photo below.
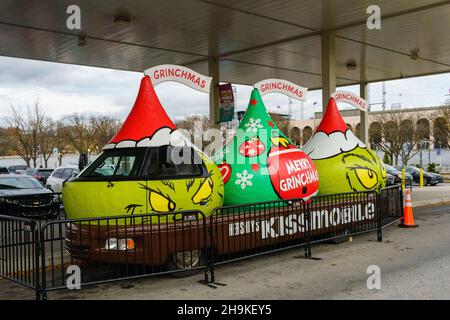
(63, 89)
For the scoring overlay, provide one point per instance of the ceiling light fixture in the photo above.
(122, 19)
(351, 64)
(414, 54)
(82, 41)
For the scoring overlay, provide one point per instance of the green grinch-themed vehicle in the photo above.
(344, 162)
(147, 167)
(143, 180)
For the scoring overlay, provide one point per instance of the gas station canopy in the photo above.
(251, 40)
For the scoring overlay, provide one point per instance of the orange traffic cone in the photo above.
(408, 217)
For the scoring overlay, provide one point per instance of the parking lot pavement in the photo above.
(430, 194)
(414, 263)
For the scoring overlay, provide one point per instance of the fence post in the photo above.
(379, 216)
(210, 249)
(306, 209)
(43, 262)
(38, 249)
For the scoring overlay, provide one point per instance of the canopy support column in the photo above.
(328, 67)
(214, 100)
(364, 116)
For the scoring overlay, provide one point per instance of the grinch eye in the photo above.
(204, 192)
(367, 177)
(160, 203)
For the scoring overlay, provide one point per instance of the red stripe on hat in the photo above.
(146, 116)
(332, 120)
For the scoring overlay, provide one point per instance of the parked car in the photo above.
(397, 174)
(428, 177)
(39, 174)
(24, 196)
(19, 168)
(440, 177)
(4, 170)
(390, 179)
(59, 175)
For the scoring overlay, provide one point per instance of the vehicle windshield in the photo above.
(19, 183)
(160, 163)
(389, 167)
(4, 170)
(18, 167)
(44, 173)
(116, 163)
(410, 169)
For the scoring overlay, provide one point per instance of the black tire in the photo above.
(343, 239)
(175, 264)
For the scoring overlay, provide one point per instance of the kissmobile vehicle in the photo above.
(136, 174)
(147, 167)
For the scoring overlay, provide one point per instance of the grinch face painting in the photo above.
(344, 163)
(147, 167)
(261, 164)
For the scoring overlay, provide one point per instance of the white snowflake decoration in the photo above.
(253, 125)
(244, 179)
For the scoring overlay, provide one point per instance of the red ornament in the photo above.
(256, 167)
(270, 124)
(292, 173)
(252, 148)
(253, 102)
(225, 170)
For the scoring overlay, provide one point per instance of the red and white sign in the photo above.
(351, 98)
(281, 86)
(171, 72)
(292, 173)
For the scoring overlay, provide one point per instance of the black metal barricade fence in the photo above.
(57, 254)
(390, 204)
(336, 216)
(121, 247)
(20, 252)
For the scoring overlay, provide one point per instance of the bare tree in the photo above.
(80, 133)
(6, 143)
(104, 128)
(28, 132)
(195, 128)
(400, 135)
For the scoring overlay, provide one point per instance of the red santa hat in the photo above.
(147, 123)
(332, 136)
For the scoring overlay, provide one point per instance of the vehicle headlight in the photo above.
(119, 244)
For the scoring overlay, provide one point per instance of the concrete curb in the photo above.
(424, 203)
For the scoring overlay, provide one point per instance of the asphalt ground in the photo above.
(413, 264)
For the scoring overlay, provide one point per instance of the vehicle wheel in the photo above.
(186, 260)
(342, 239)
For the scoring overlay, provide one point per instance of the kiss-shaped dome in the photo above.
(261, 164)
(344, 162)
